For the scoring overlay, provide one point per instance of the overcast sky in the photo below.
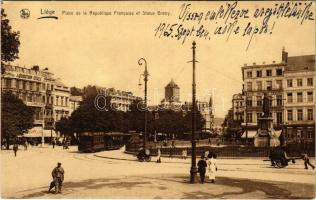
(104, 50)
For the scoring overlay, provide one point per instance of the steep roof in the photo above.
(301, 63)
(172, 84)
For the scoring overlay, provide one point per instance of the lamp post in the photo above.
(193, 170)
(142, 61)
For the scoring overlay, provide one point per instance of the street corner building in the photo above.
(50, 99)
(290, 87)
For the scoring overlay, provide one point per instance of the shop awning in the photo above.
(251, 134)
(38, 131)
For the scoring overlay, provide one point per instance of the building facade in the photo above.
(62, 102)
(39, 89)
(290, 87)
(238, 107)
(74, 103)
(299, 92)
(31, 86)
(120, 100)
(257, 81)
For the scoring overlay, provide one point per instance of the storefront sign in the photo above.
(29, 77)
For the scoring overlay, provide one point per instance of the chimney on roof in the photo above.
(35, 67)
(284, 55)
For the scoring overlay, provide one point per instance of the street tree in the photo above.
(10, 40)
(89, 117)
(16, 117)
(187, 121)
(136, 116)
(64, 126)
(170, 122)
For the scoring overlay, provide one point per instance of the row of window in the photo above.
(61, 115)
(268, 72)
(309, 97)
(61, 101)
(278, 120)
(300, 97)
(299, 82)
(299, 134)
(290, 116)
(258, 101)
(27, 85)
(278, 84)
(268, 85)
(300, 115)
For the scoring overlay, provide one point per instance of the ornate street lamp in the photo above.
(193, 170)
(142, 61)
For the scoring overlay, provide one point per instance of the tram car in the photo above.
(100, 141)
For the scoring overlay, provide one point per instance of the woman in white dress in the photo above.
(212, 167)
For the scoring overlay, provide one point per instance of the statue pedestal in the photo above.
(261, 141)
(266, 136)
(274, 142)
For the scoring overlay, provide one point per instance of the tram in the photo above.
(99, 141)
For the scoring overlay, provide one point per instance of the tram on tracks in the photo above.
(100, 141)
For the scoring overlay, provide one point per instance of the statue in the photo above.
(265, 106)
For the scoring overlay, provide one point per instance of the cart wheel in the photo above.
(148, 159)
(278, 164)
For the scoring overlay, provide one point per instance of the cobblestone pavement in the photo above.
(113, 174)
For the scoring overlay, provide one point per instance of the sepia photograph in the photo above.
(157, 99)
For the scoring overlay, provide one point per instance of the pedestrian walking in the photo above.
(184, 154)
(202, 168)
(64, 143)
(158, 155)
(25, 144)
(306, 161)
(15, 148)
(58, 177)
(53, 143)
(212, 167)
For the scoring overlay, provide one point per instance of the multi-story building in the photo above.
(260, 79)
(120, 100)
(74, 103)
(38, 88)
(61, 103)
(48, 87)
(290, 85)
(29, 86)
(238, 108)
(299, 92)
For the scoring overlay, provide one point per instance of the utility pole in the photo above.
(193, 170)
(142, 61)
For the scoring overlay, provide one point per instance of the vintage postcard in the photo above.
(158, 99)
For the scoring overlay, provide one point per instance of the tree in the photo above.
(64, 126)
(136, 116)
(89, 118)
(199, 121)
(170, 122)
(10, 41)
(16, 117)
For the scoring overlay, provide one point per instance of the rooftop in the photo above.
(301, 63)
(172, 84)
